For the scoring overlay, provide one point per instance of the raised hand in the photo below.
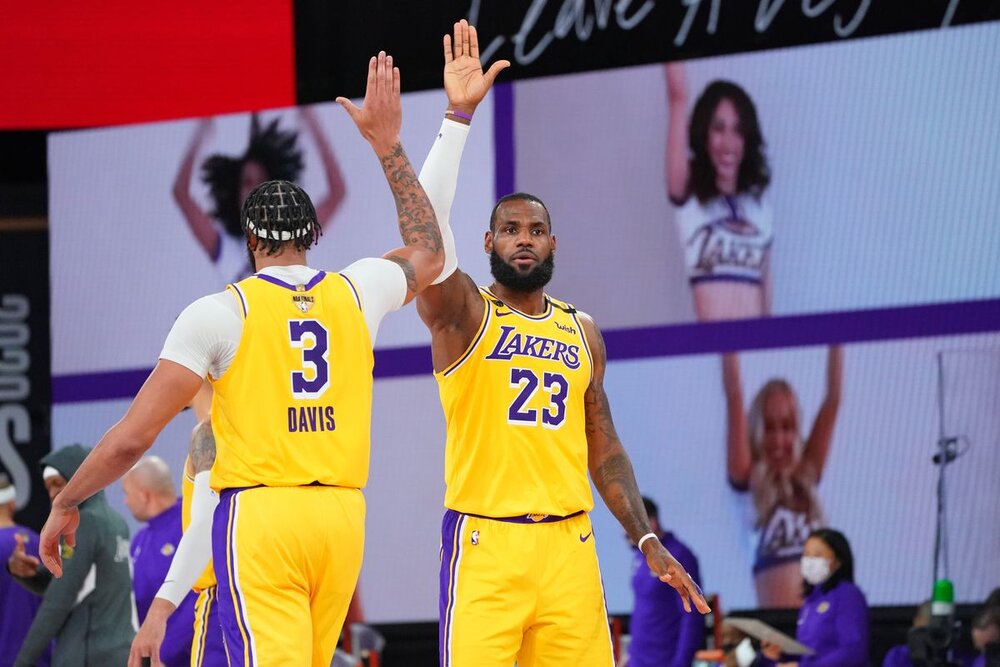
(669, 571)
(22, 564)
(381, 114)
(676, 82)
(464, 80)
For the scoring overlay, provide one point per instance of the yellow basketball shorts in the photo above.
(207, 647)
(287, 561)
(525, 589)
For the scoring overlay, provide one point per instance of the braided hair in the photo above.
(278, 213)
(272, 148)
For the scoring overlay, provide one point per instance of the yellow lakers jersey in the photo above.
(294, 407)
(514, 408)
(207, 578)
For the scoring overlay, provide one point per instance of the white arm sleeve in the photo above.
(439, 176)
(381, 286)
(195, 548)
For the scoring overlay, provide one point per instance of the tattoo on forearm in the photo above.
(615, 481)
(202, 449)
(417, 224)
(408, 271)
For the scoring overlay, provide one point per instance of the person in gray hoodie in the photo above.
(89, 610)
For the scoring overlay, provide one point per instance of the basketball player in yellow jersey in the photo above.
(520, 376)
(289, 354)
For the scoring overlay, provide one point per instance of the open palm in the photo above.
(464, 80)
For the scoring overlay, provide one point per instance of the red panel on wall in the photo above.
(70, 64)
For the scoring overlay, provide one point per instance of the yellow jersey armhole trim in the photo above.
(241, 299)
(475, 341)
(583, 337)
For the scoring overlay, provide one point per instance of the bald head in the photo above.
(149, 488)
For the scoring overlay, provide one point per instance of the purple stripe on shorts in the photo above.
(230, 608)
(451, 551)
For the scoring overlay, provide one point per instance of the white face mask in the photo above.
(815, 570)
(744, 653)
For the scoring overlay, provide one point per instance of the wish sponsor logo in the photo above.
(564, 327)
(511, 344)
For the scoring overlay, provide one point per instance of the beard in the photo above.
(512, 279)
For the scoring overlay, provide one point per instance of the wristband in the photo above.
(459, 114)
(645, 537)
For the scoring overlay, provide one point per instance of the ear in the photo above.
(552, 243)
(252, 243)
(488, 242)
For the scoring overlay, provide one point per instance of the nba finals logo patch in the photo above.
(167, 549)
(302, 301)
(475, 537)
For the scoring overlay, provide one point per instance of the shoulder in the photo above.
(849, 593)
(211, 306)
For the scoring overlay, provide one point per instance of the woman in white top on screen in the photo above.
(271, 154)
(716, 177)
(767, 455)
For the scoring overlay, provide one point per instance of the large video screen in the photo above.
(777, 193)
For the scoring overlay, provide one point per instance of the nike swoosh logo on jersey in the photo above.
(500, 313)
(584, 538)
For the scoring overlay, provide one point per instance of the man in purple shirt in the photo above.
(17, 605)
(663, 635)
(151, 496)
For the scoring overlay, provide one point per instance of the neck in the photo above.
(530, 303)
(726, 186)
(6, 520)
(161, 505)
(285, 257)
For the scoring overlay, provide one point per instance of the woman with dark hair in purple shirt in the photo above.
(833, 619)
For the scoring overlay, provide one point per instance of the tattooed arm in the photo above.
(612, 473)
(194, 551)
(379, 120)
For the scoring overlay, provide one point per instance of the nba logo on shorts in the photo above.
(475, 537)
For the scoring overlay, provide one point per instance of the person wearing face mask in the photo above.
(833, 619)
(769, 456)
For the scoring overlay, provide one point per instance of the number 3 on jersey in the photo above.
(314, 378)
(527, 381)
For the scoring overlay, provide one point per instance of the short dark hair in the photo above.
(755, 174)
(278, 213)
(652, 511)
(518, 196)
(274, 149)
(842, 550)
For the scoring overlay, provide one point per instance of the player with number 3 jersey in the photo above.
(289, 354)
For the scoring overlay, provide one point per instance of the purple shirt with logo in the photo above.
(835, 625)
(17, 604)
(152, 551)
(663, 634)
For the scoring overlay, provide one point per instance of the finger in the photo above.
(447, 50)
(32, 561)
(133, 657)
(19, 543)
(395, 81)
(495, 68)
(388, 74)
(466, 47)
(70, 539)
(372, 68)
(473, 42)
(348, 106)
(155, 655)
(458, 40)
(380, 73)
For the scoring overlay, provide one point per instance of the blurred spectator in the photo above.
(151, 497)
(89, 609)
(663, 634)
(899, 656)
(17, 606)
(986, 636)
(833, 619)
